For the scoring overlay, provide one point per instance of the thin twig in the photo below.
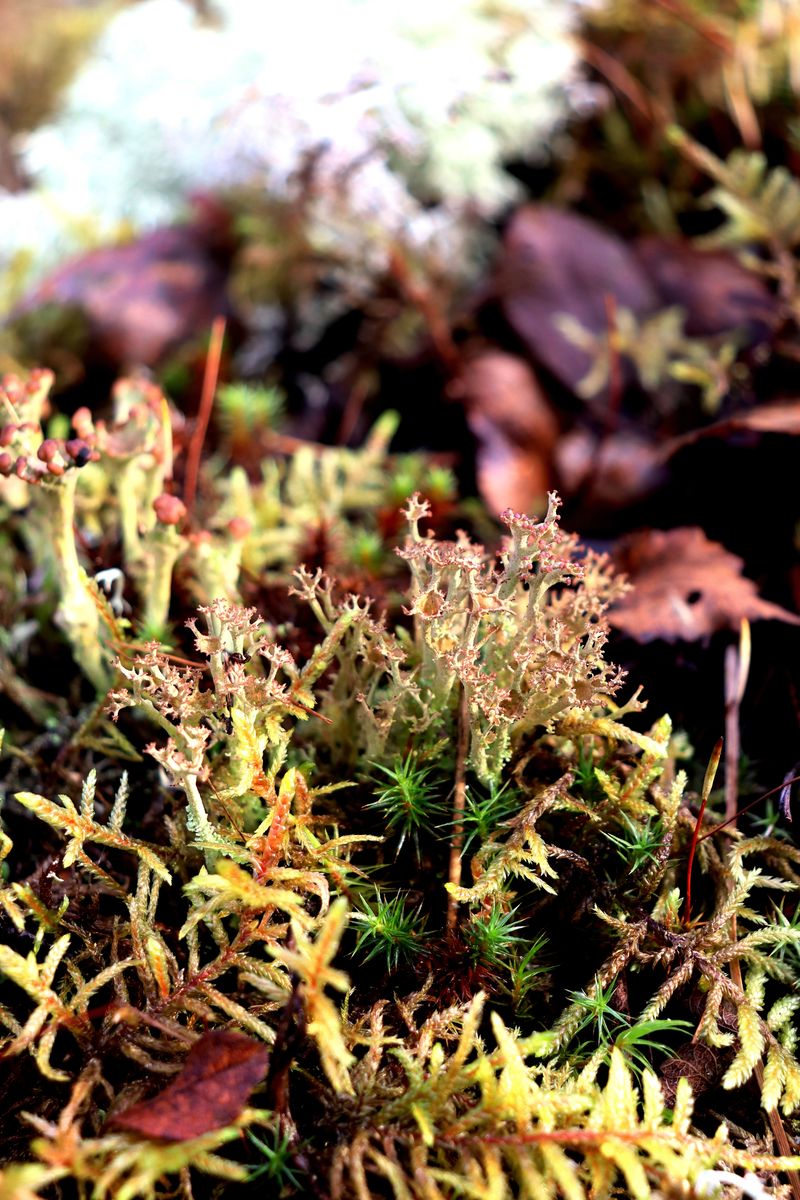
(620, 78)
(706, 29)
(354, 405)
(210, 378)
(428, 304)
(740, 103)
(779, 787)
(459, 799)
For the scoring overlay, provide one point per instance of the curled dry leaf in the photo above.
(685, 587)
(220, 1072)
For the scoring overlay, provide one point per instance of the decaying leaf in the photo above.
(685, 587)
(611, 471)
(556, 263)
(221, 1070)
(515, 429)
(717, 294)
(141, 300)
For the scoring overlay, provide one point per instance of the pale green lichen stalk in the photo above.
(43, 473)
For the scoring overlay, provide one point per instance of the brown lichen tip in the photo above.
(416, 508)
(239, 528)
(48, 450)
(82, 422)
(79, 451)
(170, 510)
(12, 386)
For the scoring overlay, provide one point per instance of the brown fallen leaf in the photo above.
(559, 264)
(612, 471)
(717, 294)
(515, 429)
(508, 475)
(685, 587)
(501, 389)
(220, 1072)
(556, 263)
(698, 1063)
(144, 299)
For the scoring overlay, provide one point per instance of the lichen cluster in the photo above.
(401, 135)
(387, 811)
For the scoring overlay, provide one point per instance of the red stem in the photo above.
(210, 378)
(708, 782)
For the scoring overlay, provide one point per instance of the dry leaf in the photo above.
(501, 389)
(685, 588)
(560, 263)
(612, 471)
(510, 476)
(514, 427)
(220, 1072)
(698, 1063)
(715, 291)
(141, 300)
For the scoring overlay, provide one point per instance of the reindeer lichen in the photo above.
(364, 834)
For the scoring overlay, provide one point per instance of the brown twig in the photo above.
(704, 28)
(423, 299)
(740, 103)
(620, 78)
(210, 377)
(459, 799)
(354, 405)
